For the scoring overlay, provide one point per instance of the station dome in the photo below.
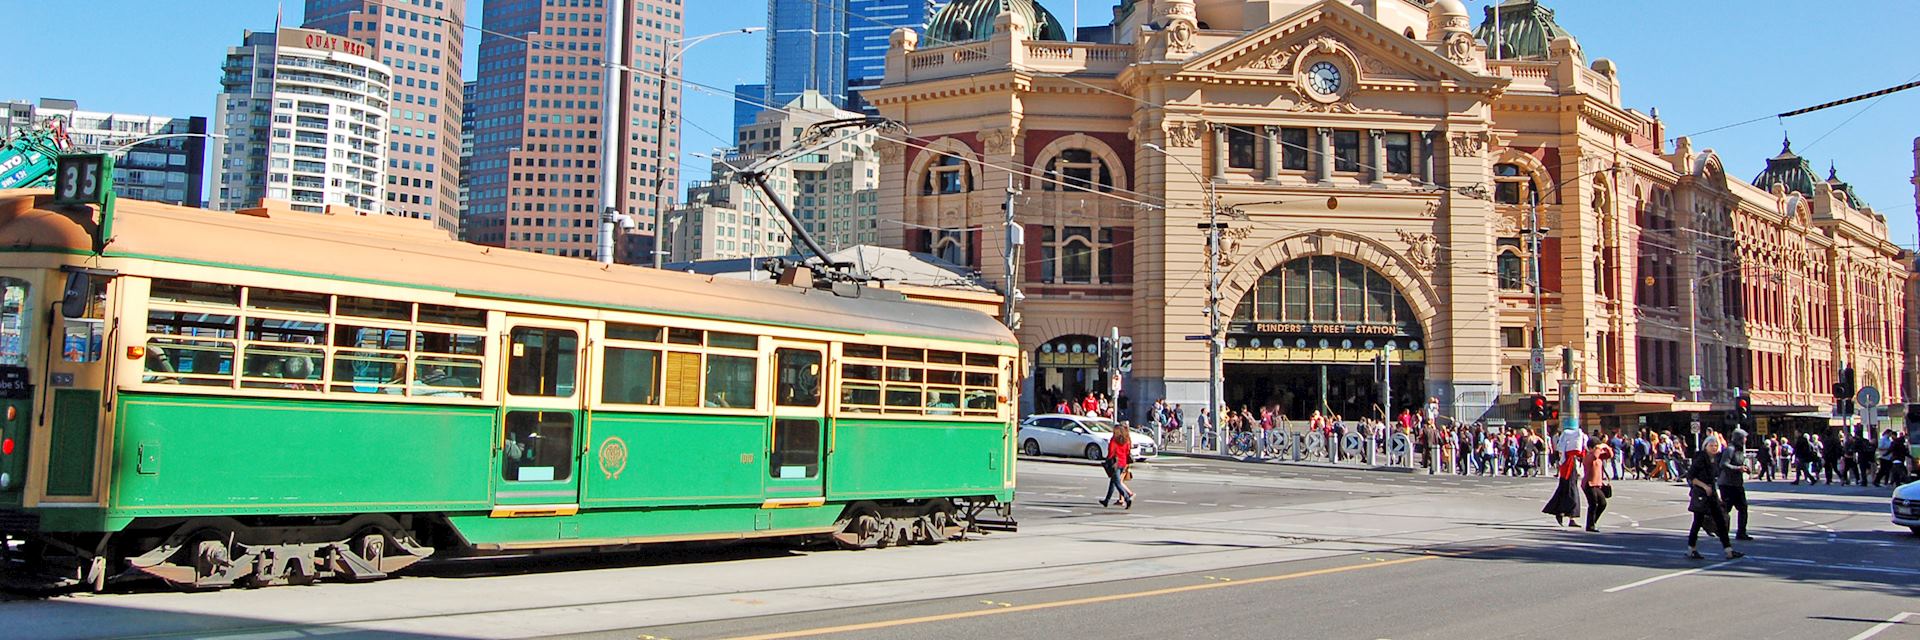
(1526, 30)
(972, 20)
(1788, 169)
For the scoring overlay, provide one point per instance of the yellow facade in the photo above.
(1382, 146)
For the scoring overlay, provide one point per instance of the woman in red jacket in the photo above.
(1119, 457)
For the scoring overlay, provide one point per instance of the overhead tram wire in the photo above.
(1912, 82)
(1877, 97)
(1016, 169)
(1375, 167)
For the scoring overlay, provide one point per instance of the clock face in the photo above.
(1323, 78)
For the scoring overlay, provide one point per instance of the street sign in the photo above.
(1869, 397)
(1539, 361)
(1197, 338)
(1693, 383)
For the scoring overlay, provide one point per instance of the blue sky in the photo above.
(1702, 63)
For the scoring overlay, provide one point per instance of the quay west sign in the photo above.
(323, 41)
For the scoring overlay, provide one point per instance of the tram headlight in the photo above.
(6, 481)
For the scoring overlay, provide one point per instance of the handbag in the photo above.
(1606, 490)
(1126, 476)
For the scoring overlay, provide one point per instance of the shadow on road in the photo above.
(86, 618)
(1793, 556)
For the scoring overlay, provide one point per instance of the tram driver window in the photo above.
(13, 321)
(799, 381)
(537, 447)
(82, 334)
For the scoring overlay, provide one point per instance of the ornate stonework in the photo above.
(1183, 134)
(890, 151)
(1278, 59)
(1467, 144)
(1505, 226)
(1458, 48)
(999, 141)
(1420, 249)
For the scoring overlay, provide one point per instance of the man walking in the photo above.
(1731, 480)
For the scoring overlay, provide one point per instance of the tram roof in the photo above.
(409, 253)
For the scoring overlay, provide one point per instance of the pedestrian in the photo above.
(1599, 456)
(1803, 459)
(1883, 452)
(1831, 451)
(1766, 451)
(1704, 502)
(1731, 481)
(1119, 459)
(1564, 506)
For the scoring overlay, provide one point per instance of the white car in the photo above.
(1906, 506)
(1082, 436)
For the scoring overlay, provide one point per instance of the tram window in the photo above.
(196, 325)
(682, 378)
(730, 382)
(370, 337)
(632, 377)
(280, 300)
(856, 371)
(937, 376)
(799, 378)
(368, 372)
(456, 316)
(458, 344)
(542, 362)
(685, 336)
(909, 355)
(861, 351)
(725, 340)
(980, 400)
(435, 376)
(905, 374)
(375, 308)
(538, 447)
(982, 360)
(860, 397)
(942, 402)
(634, 332)
(796, 449)
(81, 336)
(13, 321)
(944, 357)
(225, 295)
(191, 362)
(902, 397)
(287, 331)
(981, 379)
(273, 366)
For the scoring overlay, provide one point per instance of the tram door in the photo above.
(540, 420)
(797, 444)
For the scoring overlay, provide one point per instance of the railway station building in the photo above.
(1378, 165)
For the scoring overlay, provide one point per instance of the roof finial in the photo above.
(1832, 173)
(1786, 143)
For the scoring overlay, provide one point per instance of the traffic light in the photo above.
(1843, 392)
(1538, 409)
(1103, 354)
(1125, 354)
(1742, 410)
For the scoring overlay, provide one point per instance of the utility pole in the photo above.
(1214, 339)
(612, 97)
(1014, 241)
(1539, 310)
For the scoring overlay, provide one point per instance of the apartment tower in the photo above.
(537, 123)
(421, 41)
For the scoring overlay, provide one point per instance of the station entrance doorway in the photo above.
(1325, 334)
(1067, 368)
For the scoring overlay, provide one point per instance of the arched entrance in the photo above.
(1310, 334)
(1066, 368)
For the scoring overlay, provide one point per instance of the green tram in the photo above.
(269, 397)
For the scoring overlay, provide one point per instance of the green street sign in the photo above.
(83, 178)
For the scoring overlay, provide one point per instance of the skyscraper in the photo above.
(421, 40)
(305, 118)
(835, 47)
(537, 122)
(166, 169)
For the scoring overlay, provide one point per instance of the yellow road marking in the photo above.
(901, 622)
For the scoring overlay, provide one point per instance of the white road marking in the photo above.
(1876, 629)
(1053, 509)
(1151, 501)
(1675, 574)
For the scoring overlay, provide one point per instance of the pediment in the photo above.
(1332, 28)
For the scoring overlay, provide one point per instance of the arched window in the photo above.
(1513, 186)
(1080, 170)
(1076, 255)
(947, 175)
(951, 245)
(1325, 289)
(1513, 271)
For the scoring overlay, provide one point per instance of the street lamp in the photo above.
(1212, 226)
(660, 120)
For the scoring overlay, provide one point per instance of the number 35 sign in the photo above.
(83, 178)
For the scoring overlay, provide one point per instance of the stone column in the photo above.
(1376, 155)
(1323, 146)
(1217, 134)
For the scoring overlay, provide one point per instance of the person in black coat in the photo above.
(1703, 477)
(1831, 451)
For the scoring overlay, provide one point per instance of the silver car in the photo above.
(1906, 506)
(1061, 434)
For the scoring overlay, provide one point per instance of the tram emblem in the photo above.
(613, 457)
